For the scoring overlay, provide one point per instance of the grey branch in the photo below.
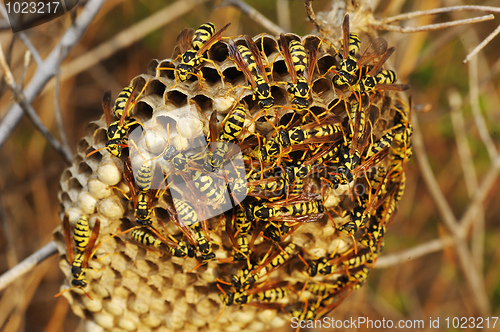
(31, 113)
(27, 265)
(413, 253)
(255, 15)
(50, 66)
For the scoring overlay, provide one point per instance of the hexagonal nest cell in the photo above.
(288, 223)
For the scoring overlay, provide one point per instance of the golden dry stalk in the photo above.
(134, 288)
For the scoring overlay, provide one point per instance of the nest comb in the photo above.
(134, 288)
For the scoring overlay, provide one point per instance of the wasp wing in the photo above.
(91, 244)
(185, 39)
(240, 62)
(67, 237)
(285, 50)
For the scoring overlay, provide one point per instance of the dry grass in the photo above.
(445, 227)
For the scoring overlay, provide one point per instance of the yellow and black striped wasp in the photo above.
(344, 175)
(208, 184)
(241, 226)
(267, 295)
(375, 79)
(305, 310)
(353, 66)
(117, 131)
(249, 61)
(188, 216)
(84, 243)
(325, 304)
(354, 278)
(232, 127)
(392, 183)
(350, 260)
(249, 275)
(374, 235)
(297, 61)
(271, 292)
(193, 44)
(141, 196)
(348, 65)
(351, 165)
(122, 102)
(328, 130)
(148, 239)
(295, 209)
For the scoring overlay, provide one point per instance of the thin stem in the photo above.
(469, 269)
(283, 12)
(31, 113)
(27, 265)
(255, 15)
(470, 175)
(464, 153)
(414, 253)
(57, 113)
(481, 193)
(50, 66)
(128, 37)
(430, 179)
(431, 27)
(476, 109)
(482, 44)
(27, 42)
(406, 16)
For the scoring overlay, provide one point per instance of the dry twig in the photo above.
(414, 253)
(469, 173)
(482, 44)
(255, 15)
(406, 16)
(431, 27)
(127, 37)
(50, 66)
(27, 265)
(31, 113)
(469, 269)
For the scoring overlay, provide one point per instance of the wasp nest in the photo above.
(281, 215)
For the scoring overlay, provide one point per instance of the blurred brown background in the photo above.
(433, 285)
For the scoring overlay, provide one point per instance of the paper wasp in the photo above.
(248, 60)
(327, 130)
(118, 130)
(271, 292)
(143, 236)
(268, 293)
(188, 216)
(241, 226)
(351, 66)
(232, 127)
(84, 243)
(375, 79)
(348, 65)
(142, 198)
(374, 234)
(350, 259)
(193, 44)
(297, 60)
(250, 275)
(122, 102)
(208, 184)
(296, 209)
